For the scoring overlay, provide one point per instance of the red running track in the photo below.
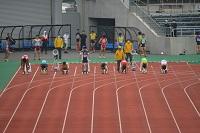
(97, 103)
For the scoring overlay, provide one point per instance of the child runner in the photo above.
(44, 66)
(103, 42)
(104, 67)
(124, 66)
(163, 66)
(119, 56)
(65, 67)
(25, 65)
(143, 65)
(85, 60)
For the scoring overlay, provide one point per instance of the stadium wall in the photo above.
(24, 12)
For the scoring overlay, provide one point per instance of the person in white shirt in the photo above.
(164, 66)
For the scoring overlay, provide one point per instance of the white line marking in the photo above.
(9, 82)
(167, 103)
(20, 102)
(69, 100)
(92, 119)
(51, 83)
(117, 97)
(185, 90)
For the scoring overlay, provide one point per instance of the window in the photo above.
(69, 5)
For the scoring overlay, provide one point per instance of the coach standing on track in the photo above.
(119, 56)
(58, 43)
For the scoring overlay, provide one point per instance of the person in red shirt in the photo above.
(103, 42)
(25, 65)
(124, 66)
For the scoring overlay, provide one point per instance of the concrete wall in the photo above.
(105, 9)
(176, 45)
(23, 12)
(72, 18)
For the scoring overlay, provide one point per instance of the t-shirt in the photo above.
(163, 62)
(85, 54)
(93, 36)
(144, 60)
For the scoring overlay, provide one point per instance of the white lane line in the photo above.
(21, 84)
(20, 102)
(9, 82)
(117, 97)
(175, 121)
(41, 110)
(185, 88)
(168, 105)
(92, 119)
(51, 83)
(188, 96)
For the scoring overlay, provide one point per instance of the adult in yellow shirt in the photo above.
(128, 48)
(119, 56)
(93, 36)
(58, 44)
(120, 39)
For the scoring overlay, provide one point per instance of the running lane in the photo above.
(52, 114)
(24, 117)
(78, 108)
(11, 96)
(105, 114)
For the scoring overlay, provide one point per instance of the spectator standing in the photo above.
(139, 40)
(198, 43)
(143, 45)
(78, 40)
(83, 39)
(128, 48)
(66, 41)
(58, 43)
(10, 41)
(174, 26)
(7, 49)
(93, 36)
(37, 43)
(167, 28)
(44, 42)
(103, 42)
(120, 40)
(119, 56)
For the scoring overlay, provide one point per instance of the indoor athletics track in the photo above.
(97, 103)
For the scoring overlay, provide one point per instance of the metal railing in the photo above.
(146, 18)
(24, 34)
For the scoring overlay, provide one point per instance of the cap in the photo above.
(144, 60)
(44, 61)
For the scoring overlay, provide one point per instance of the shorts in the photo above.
(103, 66)
(44, 66)
(92, 41)
(85, 60)
(37, 48)
(164, 67)
(65, 68)
(143, 45)
(103, 46)
(77, 40)
(144, 65)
